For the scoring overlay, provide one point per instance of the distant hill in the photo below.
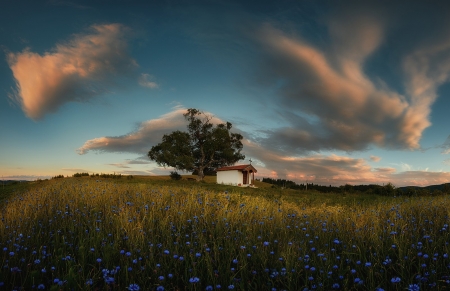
(7, 182)
(442, 187)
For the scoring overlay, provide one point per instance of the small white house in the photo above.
(242, 175)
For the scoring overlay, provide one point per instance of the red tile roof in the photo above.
(238, 167)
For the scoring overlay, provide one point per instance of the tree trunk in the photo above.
(200, 174)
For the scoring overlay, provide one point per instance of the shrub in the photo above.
(175, 176)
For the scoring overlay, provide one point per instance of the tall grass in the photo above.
(87, 234)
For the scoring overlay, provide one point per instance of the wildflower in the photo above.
(194, 280)
(160, 288)
(89, 282)
(37, 261)
(133, 287)
(359, 281)
(99, 260)
(235, 261)
(230, 287)
(41, 286)
(395, 280)
(198, 255)
(209, 288)
(368, 264)
(161, 278)
(413, 287)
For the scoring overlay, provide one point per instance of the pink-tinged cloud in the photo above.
(76, 71)
(334, 170)
(375, 158)
(148, 134)
(330, 102)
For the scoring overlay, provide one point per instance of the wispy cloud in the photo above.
(329, 102)
(140, 141)
(149, 133)
(76, 71)
(375, 158)
(146, 80)
(446, 146)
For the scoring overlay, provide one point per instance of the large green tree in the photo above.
(203, 146)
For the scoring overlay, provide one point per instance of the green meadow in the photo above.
(152, 233)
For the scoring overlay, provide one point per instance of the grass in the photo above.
(158, 234)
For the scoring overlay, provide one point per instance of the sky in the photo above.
(324, 92)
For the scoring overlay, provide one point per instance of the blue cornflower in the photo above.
(209, 288)
(37, 261)
(109, 280)
(235, 261)
(368, 264)
(133, 287)
(41, 286)
(336, 286)
(160, 288)
(194, 280)
(128, 254)
(170, 276)
(230, 287)
(99, 260)
(89, 282)
(11, 254)
(161, 278)
(198, 255)
(395, 280)
(413, 287)
(266, 243)
(166, 252)
(379, 289)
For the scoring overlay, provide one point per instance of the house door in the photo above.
(245, 178)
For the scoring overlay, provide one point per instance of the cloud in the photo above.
(149, 133)
(375, 158)
(335, 170)
(446, 146)
(327, 99)
(76, 71)
(145, 81)
(329, 96)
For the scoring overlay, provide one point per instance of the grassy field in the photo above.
(157, 234)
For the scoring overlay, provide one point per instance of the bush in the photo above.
(175, 176)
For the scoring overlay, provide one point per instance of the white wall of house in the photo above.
(233, 177)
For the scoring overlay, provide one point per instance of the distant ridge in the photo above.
(442, 187)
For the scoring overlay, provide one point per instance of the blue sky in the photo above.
(323, 91)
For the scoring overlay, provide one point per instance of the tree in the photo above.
(203, 146)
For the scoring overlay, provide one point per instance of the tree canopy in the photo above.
(203, 146)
